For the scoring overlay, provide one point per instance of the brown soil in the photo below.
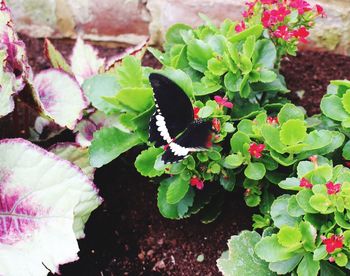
(128, 236)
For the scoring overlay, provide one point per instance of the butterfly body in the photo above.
(173, 125)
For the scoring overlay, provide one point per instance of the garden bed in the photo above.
(128, 236)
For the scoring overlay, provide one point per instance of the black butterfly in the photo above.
(173, 125)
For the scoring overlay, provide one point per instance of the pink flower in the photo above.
(272, 120)
(255, 149)
(305, 183)
(195, 112)
(333, 243)
(223, 101)
(216, 124)
(301, 34)
(333, 188)
(267, 20)
(283, 32)
(320, 11)
(268, 2)
(301, 5)
(280, 13)
(240, 27)
(195, 181)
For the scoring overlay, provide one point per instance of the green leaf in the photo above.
(185, 203)
(332, 107)
(255, 171)
(269, 249)
(205, 111)
(136, 99)
(177, 189)
(146, 160)
(56, 58)
(232, 81)
(346, 101)
(320, 203)
(109, 143)
(214, 155)
(233, 161)
(293, 132)
(129, 74)
(245, 64)
(254, 30)
(293, 207)
(279, 212)
(249, 46)
(228, 182)
(99, 86)
(342, 220)
(289, 236)
(173, 34)
(267, 76)
(167, 210)
(346, 151)
(291, 183)
(303, 198)
(217, 66)
(283, 267)
(309, 234)
(265, 53)
(308, 267)
(320, 253)
(238, 140)
(272, 138)
(241, 259)
(290, 111)
(198, 54)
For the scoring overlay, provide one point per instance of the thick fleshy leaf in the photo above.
(44, 204)
(145, 162)
(75, 154)
(60, 97)
(7, 83)
(85, 62)
(241, 258)
(109, 143)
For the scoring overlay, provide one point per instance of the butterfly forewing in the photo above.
(174, 111)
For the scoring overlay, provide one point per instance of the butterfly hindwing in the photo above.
(195, 138)
(174, 111)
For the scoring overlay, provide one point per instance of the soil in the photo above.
(127, 235)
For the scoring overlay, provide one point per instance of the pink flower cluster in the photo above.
(332, 243)
(275, 16)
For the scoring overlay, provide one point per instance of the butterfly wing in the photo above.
(174, 111)
(195, 138)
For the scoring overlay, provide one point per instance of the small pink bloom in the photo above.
(267, 20)
(256, 150)
(272, 120)
(283, 32)
(240, 27)
(280, 13)
(216, 124)
(195, 181)
(301, 34)
(268, 2)
(223, 101)
(195, 112)
(320, 11)
(333, 188)
(209, 142)
(305, 183)
(333, 243)
(301, 5)
(331, 259)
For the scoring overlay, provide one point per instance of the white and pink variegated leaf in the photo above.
(85, 62)
(75, 154)
(60, 97)
(85, 128)
(138, 51)
(15, 70)
(44, 204)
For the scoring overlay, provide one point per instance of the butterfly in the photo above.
(173, 125)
